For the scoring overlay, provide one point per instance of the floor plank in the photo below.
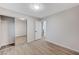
(38, 47)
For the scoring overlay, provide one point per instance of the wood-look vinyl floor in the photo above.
(38, 47)
(20, 40)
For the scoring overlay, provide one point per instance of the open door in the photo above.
(44, 29)
(38, 30)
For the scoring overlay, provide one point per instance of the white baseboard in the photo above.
(62, 45)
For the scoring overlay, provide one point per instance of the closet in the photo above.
(7, 30)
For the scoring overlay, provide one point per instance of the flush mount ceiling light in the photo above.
(36, 6)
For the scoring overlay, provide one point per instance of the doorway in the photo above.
(20, 31)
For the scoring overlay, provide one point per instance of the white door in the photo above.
(4, 27)
(7, 30)
(44, 29)
(0, 33)
(38, 29)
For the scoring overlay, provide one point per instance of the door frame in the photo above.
(15, 30)
(35, 30)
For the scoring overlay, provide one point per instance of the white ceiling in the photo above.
(46, 9)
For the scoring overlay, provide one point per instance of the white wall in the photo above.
(63, 28)
(7, 30)
(20, 27)
(30, 29)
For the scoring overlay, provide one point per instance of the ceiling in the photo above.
(45, 9)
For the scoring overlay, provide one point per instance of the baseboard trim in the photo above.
(21, 36)
(6, 46)
(68, 49)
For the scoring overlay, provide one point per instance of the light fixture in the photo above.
(36, 6)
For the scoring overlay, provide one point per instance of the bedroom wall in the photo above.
(20, 27)
(63, 28)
